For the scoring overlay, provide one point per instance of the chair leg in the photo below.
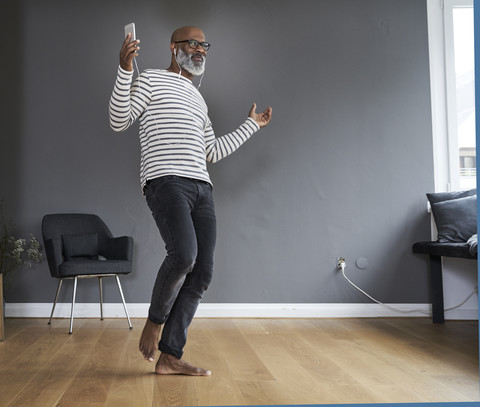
(73, 304)
(59, 286)
(101, 297)
(436, 283)
(123, 300)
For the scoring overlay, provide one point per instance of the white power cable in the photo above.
(475, 291)
(342, 265)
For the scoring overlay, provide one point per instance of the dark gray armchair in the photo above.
(82, 246)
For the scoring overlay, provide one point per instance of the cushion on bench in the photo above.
(455, 215)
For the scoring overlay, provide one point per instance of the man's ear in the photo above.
(173, 49)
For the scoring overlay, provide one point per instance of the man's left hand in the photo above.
(262, 119)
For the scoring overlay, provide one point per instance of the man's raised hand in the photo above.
(262, 119)
(128, 52)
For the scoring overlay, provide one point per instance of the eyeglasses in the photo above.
(194, 44)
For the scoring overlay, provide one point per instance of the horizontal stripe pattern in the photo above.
(176, 134)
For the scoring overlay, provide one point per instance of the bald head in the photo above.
(187, 33)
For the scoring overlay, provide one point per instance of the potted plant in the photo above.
(15, 252)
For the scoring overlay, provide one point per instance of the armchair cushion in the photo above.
(118, 248)
(84, 245)
(84, 266)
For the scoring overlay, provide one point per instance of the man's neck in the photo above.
(184, 73)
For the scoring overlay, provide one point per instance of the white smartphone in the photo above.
(130, 28)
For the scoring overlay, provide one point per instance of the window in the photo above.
(460, 92)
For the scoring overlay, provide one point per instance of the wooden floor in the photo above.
(254, 361)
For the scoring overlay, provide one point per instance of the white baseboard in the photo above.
(140, 310)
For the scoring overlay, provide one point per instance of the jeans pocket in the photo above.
(161, 181)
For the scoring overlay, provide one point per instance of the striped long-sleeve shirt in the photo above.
(176, 135)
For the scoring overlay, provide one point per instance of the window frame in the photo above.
(443, 92)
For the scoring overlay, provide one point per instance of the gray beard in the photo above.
(185, 62)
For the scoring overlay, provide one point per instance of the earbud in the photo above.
(175, 51)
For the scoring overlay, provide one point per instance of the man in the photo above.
(176, 139)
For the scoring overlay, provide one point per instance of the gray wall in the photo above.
(342, 170)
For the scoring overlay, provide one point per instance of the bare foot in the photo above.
(149, 340)
(168, 364)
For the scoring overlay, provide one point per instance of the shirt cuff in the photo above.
(120, 69)
(254, 123)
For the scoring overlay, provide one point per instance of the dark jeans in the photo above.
(185, 215)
